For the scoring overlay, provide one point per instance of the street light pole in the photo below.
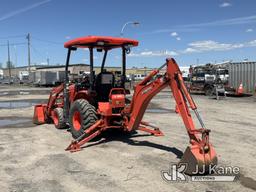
(135, 23)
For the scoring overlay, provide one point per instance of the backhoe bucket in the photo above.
(39, 114)
(199, 160)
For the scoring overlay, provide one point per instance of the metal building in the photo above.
(243, 72)
(55, 74)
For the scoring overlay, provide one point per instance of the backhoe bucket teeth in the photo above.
(39, 114)
(198, 161)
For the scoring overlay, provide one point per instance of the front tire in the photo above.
(58, 118)
(82, 116)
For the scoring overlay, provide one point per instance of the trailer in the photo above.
(45, 78)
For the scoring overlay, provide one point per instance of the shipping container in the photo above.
(43, 78)
(60, 76)
(32, 76)
(245, 73)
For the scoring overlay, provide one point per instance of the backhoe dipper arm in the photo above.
(146, 90)
(200, 152)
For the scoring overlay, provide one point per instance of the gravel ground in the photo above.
(33, 157)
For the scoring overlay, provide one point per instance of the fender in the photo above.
(83, 94)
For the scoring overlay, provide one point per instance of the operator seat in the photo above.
(104, 83)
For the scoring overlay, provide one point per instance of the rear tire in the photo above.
(82, 116)
(58, 118)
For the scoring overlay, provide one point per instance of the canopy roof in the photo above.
(100, 42)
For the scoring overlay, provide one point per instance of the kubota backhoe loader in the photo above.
(99, 103)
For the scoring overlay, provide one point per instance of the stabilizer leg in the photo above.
(88, 135)
(155, 131)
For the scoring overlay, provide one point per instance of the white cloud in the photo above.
(209, 45)
(225, 4)
(251, 43)
(249, 30)
(174, 34)
(25, 9)
(67, 37)
(153, 53)
(197, 47)
(190, 50)
(197, 26)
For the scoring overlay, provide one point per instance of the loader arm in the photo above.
(55, 92)
(43, 112)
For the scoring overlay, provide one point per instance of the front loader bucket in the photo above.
(198, 160)
(39, 114)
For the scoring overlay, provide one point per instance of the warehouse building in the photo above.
(16, 71)
(74, 69)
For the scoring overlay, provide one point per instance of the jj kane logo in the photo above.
(176, 173)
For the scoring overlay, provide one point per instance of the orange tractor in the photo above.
(99, 102)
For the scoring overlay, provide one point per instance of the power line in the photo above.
(38, 52)
(5, 45)
(12, 36)
(46, 41)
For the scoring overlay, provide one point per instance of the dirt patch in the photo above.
(155, 108)
(236, 122)
(247, 182)
(50, 167)
(16, 122)
(1, 149)
(21, 185)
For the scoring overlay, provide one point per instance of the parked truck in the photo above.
(207, 78)
(23, 77)
(227, 77)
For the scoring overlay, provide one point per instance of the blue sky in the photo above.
(192, 32)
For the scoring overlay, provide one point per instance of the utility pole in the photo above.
(9, 62)
(48, 61)
(15, 48)
(28, 38)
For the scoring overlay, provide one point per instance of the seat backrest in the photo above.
(104, 83)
